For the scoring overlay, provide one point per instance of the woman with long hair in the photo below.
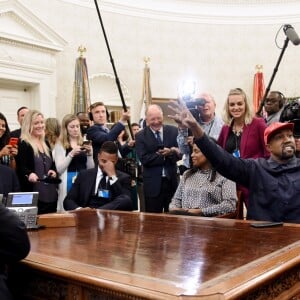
(71, 155)
(7, 151)
(52, 131)
(35, 164)
(243, 134)
(202, 191)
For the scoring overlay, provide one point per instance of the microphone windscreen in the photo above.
(291, 34)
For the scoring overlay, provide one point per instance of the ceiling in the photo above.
(204, 11)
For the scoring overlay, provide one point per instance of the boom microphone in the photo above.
(291, 34)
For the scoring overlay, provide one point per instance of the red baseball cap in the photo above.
(274, 128)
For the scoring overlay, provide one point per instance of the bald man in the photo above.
(157, 149)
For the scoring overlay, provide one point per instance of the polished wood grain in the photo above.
(160, 256)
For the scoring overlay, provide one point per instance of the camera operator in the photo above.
(291, 114)
(274, 106)
(297, 136)
(203, 109)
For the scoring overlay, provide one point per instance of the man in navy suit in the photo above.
(21, 114)
(101, 187)
(157, 149)
(99, 132)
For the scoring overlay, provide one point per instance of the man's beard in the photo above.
(287, 153)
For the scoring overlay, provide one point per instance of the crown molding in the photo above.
(20, 26)
(204, 11)
(11, 65)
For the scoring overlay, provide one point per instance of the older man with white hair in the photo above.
(157, 149)
(207, 118)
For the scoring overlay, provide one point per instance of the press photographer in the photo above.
(202, 107)
(291, 113)
(194, 105)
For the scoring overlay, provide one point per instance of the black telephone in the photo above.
(25, 206)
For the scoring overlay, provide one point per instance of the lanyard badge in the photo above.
(103, 193)
(236, 153)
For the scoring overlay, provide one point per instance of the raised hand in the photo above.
(182, 115)
(184, 118)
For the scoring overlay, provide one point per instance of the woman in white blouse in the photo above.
(70, 156)
(202, 191)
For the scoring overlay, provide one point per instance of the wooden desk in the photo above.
(127, 255)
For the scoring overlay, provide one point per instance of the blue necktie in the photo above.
(157, 133)
(160, 145)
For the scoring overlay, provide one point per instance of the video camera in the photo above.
(194, 103)
(129, 166)
(291, 113)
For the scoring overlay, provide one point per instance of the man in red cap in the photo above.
(274, 183)
(272, 137)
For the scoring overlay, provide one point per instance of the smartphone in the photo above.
(88, 142)
(266, 224)
(13, 141)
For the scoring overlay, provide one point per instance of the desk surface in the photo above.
(160, 256)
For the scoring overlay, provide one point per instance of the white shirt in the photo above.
(99, 176)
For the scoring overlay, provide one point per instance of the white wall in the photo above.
(218, 56)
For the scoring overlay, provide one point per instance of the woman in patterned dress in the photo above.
(202, 191)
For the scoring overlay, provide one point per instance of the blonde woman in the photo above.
(71, 155)
(35, 162)
(243, 134)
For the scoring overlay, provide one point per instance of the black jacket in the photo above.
(84, 188)
(274, 195)
(14, 245)
(25, 165)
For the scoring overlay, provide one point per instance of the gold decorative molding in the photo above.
(147, 60)
(259, 68)
(81, 50)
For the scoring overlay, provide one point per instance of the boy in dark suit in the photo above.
(102, 187)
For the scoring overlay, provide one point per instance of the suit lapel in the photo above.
(90, 184)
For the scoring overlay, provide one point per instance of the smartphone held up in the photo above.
(13, 141)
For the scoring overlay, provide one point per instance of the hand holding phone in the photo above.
(13, 141)
(88, 142)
